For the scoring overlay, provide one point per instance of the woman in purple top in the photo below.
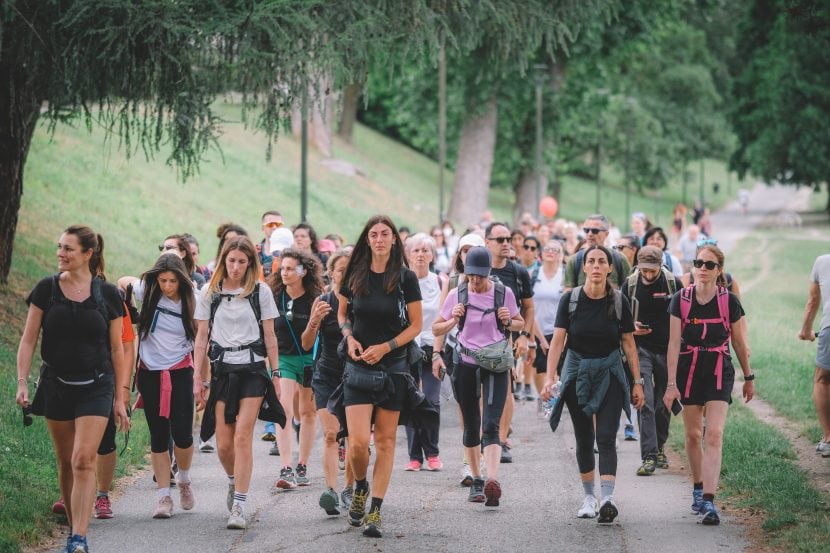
(483, 324)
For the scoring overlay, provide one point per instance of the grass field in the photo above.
(73, 177)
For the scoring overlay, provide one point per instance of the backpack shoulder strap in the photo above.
(463, 300)
(686, 303)
(580, 259)
(98, 296)
(631, 282)
(253, 299)
(618, 305)
(574, 300)
(670, 281)
(498, 301)
(723, 308)
(534, 276)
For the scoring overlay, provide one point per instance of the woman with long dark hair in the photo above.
(597, 321)
(179, 244)
(225, 232)
(295, 286)
(84, 374)
(234, 318)
(166, 332)
(378, 298)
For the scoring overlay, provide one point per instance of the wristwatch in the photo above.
(641, 381)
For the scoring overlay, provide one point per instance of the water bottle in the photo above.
(554, 398)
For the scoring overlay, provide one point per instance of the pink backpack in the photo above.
(686, 295)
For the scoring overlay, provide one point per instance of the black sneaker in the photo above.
(371, 527)
(357, 510)
(477, 491)
(506, 456)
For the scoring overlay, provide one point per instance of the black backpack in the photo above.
(498, 301)
(257, 346)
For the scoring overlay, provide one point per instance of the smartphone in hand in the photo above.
(676, 407)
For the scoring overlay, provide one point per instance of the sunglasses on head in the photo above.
(27, 415)
(500, 239)
(289, 314)
(550, 249)
(163, 248)
(587, 230)
(707, 242)
(621, 247)
(273, 224)
(530, 248)
(711, 265)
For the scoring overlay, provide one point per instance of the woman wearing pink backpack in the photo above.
(704, 318)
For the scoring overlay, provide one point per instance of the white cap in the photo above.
(281, 239)
(471, 239)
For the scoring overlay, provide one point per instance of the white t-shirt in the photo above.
(546, 295)
(430, 304)
(234, 324)
(166, 344)
(821, 276)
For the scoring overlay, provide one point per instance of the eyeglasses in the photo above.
(273, 224)
(530, 248)
(621, 247)
(500, 239)
(27, 415)
(711, 265)
(163, 248)
(587, 230)
(551, 250)
(707, 242)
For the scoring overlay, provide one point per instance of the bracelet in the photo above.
(345, 325)
(393, 344)
(671, 385)
(205, 383)
(276, 374)
(749, 377)
(436, 355)
(23, 380)
(531, 346)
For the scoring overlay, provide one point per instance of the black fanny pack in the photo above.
(363, 379)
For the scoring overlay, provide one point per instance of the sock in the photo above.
(606, 487)
(184, 476)
(163, 492)
(240, 498)
(588, 487)
(708, 497)
(230, 480)
(697, 486)
(376, 503)
(527, 387)
(361, 485)
(101, 494)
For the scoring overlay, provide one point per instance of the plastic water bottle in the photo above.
(554, 398)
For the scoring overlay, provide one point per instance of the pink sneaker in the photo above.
(103, 508)
(434, 463)
(413, 466)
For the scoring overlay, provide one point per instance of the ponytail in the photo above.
(96, 262)
(90, 240)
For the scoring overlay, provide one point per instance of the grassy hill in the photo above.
(75, 177)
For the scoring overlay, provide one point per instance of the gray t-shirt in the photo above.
(821, 276)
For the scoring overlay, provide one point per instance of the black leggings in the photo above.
(493, 389)
(608, 421)
(180, 423)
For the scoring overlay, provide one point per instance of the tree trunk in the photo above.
(19, 111)
(348, 115)
(320, 116)
(526, 194)
(473, 169)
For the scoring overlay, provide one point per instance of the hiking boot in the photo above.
(275, 450)
(466, 476)
(492, 493)
(229, 498)
(697, 501)
(608, 510)
(589, 507)
(823, 448)
(186, 498)
(236, 520)
(330, 502)
(647, 468)
(302, 475)
(165, 508)
(413, 466)
(287, 479)
(477, 491)
(346, 497)
(269, 437)
(661, 462)
(506, 456)
(59, 507)
(371, 527)
(77, 544)
(206, 447)
(710, 516)
(357, 509)
(630, 435)
(103, 507)
(434, 463)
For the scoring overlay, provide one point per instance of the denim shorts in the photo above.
(823, 349)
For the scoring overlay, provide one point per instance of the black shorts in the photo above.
(107, 445)
(250, 385)
(393, 403)
(541, 362)
(704, 386)
(64, 402)
(323, 384)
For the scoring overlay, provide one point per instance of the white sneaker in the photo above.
(466, 476)
(823, 448)
(237, 519)
(589, 507)
(206, 447)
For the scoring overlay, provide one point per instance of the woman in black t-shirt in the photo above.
(328, 374)
(593, 378)
(83, 367)
(375, 328)
(295, 286)
(701, 374)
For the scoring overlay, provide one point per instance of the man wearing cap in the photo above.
(595, 229)
(649, 291)
(271, 221)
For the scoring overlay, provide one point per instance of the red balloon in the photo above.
(548, 206)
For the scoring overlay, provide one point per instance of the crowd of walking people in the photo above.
(300, 331)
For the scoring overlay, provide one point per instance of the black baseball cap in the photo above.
(478, 262)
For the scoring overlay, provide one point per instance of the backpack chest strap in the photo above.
(721, 350)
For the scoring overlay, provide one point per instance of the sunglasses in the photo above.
(27, 415)
(289, 314)
(163, 248)
(530, 248)
(711, 265)
(501, 239)
(621, 247)
(707, 242)
(551, 250)
(273, 224)
(587, 230)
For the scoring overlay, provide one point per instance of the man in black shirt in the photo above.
(649, 290)
(517, 279)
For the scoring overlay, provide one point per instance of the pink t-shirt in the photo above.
(480, 329)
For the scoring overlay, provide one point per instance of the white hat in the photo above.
(471, 239)
(281, 239)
